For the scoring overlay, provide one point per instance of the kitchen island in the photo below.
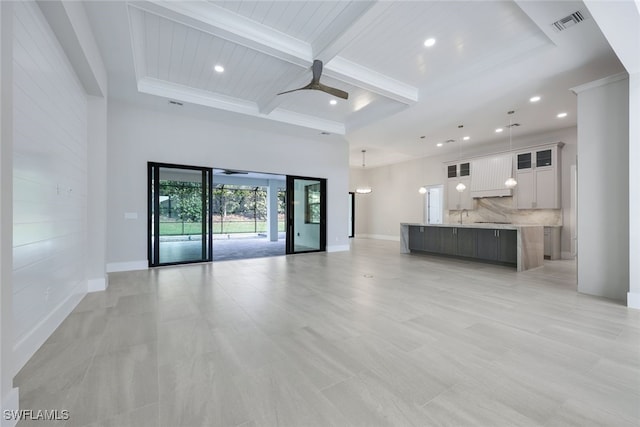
(521, 246)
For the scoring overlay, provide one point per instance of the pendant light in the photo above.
(510, 183)
(363, 189)
(460, 187)
(423, 189)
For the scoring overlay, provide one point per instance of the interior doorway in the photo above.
(433, 204)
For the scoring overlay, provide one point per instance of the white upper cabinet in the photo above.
(459, 173)
(538, 176)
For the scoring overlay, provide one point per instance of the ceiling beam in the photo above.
(188, 94)
(228, 25)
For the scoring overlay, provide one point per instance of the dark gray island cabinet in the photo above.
(519, 245)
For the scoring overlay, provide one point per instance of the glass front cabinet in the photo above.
(538, 176)
(459, 172)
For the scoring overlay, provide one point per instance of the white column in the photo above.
(603, 187)
(272, 210)
(633, 297)
(8, 394)
(97, 193)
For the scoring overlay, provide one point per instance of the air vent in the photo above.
(514, 125)
(172, 102)
(570, 21)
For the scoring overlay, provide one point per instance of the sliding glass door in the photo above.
(306, 214)
(179, 214)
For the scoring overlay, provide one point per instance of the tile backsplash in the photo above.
(500, 209)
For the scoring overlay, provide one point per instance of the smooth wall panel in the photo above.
(164, 134)
(50, 174)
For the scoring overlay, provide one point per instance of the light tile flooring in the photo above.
(362, 338)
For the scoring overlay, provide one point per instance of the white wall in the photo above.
(8, 395)
(50, 183)
(395, 196)
(603, 187)
(633, 298)
(138, 135)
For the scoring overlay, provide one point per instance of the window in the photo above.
(452, 171)
(465, 169)
(312, 208)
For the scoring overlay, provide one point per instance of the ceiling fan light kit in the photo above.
(315, 84)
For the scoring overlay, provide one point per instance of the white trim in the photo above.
(357, 75)
(338, 248)
(33, 340)
(633, 300)
(97, 285)
(380, 237)
(10, 403)
(114, 267)
(600, 82)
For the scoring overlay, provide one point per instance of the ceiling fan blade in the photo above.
(333, 91)
(317, 71)
(295, 90)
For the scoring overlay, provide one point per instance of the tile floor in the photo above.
(368, 337)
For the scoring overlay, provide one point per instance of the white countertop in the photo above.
(491, 225)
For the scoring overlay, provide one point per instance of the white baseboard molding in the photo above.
(567, 255)
(380, 237)
(633, 300)
(97, 285)
(338, 248)
(10, 406)
(33, 340)
(114, 267)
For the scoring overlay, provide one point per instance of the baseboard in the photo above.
(97, 285)
(114, 267)
(10, 407)
(633, 300)
(33, 340)
(338, 248)
(380, 237)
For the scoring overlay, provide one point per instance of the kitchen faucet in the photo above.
(463, 210)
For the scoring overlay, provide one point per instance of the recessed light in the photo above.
(430, 42)
(499, 130)
(333, 102)
(561, 115)
(439, 144)
(219, 68)
(466, 138)
(534, 99)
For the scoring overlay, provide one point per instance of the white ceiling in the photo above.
(489, 57)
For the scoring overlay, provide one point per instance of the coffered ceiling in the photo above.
(488, 57)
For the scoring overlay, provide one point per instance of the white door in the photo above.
(434, 204)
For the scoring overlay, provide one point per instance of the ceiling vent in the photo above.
(172, 102)
(569, 21)
(514, 125)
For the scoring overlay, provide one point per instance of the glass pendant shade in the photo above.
(461, 187)
(365, 189)
(422, 190)
(510, 183)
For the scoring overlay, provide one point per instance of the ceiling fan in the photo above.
(316, 85)
(233, 172)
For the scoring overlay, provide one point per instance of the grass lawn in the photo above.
(180, 228)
